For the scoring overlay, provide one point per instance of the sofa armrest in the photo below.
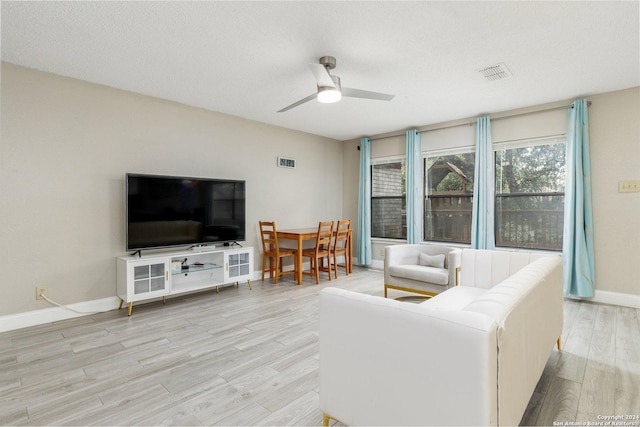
(385, 362)
(454, 258)
(400, 254)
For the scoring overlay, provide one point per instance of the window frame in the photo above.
(425, 189)
(516, 144)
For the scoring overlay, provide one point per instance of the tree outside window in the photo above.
(448, 199)
(529, 203)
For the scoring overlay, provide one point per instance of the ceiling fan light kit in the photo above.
(330, 94)
(329, 88)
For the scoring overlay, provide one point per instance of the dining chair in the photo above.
(272, 252)
(341, 245)
(321, 251)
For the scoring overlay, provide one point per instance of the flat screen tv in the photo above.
(166, 211)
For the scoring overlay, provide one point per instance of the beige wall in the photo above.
(614, 120)
(66, 146)
(615, 155)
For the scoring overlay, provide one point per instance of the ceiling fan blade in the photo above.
(322, 75)
(295, 104)
(358, 93)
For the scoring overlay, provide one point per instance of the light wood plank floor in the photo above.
(250, 357)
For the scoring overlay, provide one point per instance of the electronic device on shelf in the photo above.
(169, 211)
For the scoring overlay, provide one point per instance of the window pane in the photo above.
(449, 197)
(530, 221)
(530, 197)
(388, 218)
(388, 215)
(538, 169)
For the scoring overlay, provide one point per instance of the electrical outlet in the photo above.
(40, 291)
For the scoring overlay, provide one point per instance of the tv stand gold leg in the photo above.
(559, 343)
(121, 302)
(325, 419)
(130, 308)
(164, 300)
(249, 283)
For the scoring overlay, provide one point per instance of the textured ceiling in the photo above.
(249, 59)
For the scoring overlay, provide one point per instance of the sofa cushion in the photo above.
(420, 273)
(431, 260)
(455, 298)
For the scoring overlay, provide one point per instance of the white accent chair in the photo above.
(422, 269)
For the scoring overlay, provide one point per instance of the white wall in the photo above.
(66, 146)
(615, 155)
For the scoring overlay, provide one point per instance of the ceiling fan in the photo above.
(329, 88)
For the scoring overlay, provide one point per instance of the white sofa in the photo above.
(471, 355)
(414, 268)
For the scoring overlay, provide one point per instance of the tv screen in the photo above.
(164, 211)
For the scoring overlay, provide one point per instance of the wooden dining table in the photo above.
(311, 233)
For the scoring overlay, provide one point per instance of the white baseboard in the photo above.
(26, 319)
(54, 314)
(377, 264)
(613, 298)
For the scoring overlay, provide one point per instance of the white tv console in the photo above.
(164, 274)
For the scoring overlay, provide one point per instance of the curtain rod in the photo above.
(473, 123)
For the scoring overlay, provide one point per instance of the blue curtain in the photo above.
(577, 241)
(412, 166)
(364, 204)
(482, 225)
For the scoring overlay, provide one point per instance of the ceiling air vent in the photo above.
(495, 72)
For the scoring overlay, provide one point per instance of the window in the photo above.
(529, 203)
(388, 200)
(448, 203)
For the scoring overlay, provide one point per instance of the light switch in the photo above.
(628, 186)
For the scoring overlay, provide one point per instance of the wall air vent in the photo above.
(495, 72)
